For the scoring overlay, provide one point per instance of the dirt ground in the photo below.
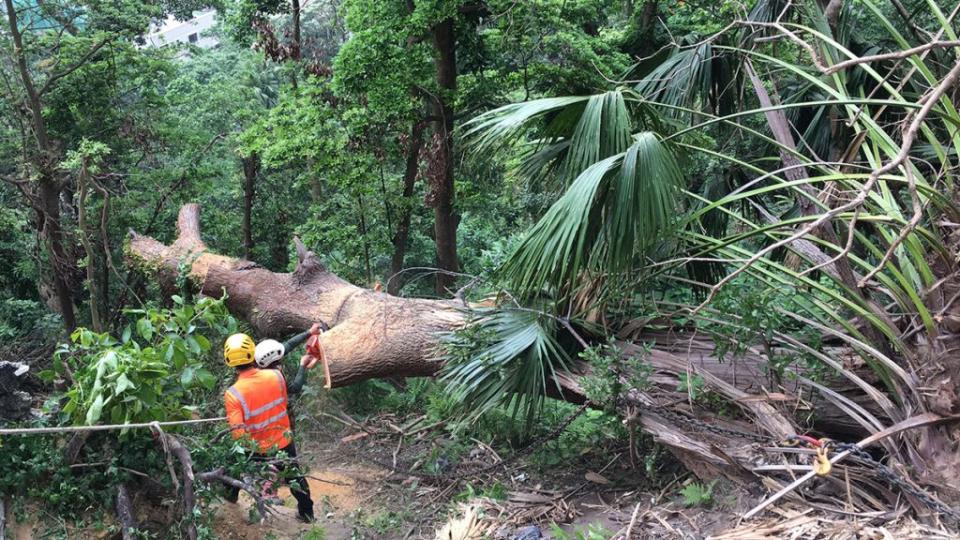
(335, 491)
(358, 498)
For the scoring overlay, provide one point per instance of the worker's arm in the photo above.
(298, 339)
(295, 386)
(295, 341)
(234, 415)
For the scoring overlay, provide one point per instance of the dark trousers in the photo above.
(298, 484)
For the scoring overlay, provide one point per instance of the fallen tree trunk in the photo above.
(377, 335)
(373, 335)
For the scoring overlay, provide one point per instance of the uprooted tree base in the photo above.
(377, 335)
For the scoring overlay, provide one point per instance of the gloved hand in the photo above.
(308, 361)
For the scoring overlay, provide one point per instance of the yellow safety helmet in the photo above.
(239, 350)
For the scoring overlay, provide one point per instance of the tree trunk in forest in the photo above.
(296, 52)
(648, 19)
(52, 234)
(795, 171)
(374, 335)
(362, 229)
(251, 167)
(377, 335)
(402, 234)
(96, 320)
(832, 14)
(48, 205)
(444, 193)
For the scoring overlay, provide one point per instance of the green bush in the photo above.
(151, 372)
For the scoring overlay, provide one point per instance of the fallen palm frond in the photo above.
(813, 524)
(506, 357)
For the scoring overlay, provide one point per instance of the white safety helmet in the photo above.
(268, 351)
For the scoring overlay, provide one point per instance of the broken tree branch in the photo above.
(128, 524)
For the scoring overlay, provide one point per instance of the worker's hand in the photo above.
(308, 361)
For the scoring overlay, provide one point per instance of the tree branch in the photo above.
(80, 63)
(128, 523)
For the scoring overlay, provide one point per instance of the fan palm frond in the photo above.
(610, 215)
(570, 133)
(505, 357)
(701, 77)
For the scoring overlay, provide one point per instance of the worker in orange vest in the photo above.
(256, 407)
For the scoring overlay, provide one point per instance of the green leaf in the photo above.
(207, 379)
(203, 342)
(145, 328)
(186, 376)
(193, 345)
(505, 357)
(126, 334)
(123, 384)
(93, 413)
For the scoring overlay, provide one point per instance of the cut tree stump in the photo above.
(377, 335)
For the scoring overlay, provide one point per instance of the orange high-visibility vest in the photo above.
(257, 406)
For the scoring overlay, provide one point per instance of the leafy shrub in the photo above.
(750, 314)
(613, 374)
(592, 431)
(150, 372)
(21, 317)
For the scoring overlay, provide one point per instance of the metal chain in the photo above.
(883, 471)
(895, 479)
(704, 426)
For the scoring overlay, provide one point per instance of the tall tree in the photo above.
(41, 154)
(443, 197)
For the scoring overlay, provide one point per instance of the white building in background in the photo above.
(189, 31)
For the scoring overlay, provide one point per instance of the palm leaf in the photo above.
(572, 133)
(505, 357)
(609, 216)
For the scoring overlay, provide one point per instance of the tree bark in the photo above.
(648, 19)
(296, 48)
(444, 193)
(251, 167)
(402, 234)
(780, 127)
(52, 234)
(49, 190)
(832, 14)
(374, 335)
(96, 320)
(125, 515)
(377, 335)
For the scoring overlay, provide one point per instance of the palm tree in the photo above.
(867, 256)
